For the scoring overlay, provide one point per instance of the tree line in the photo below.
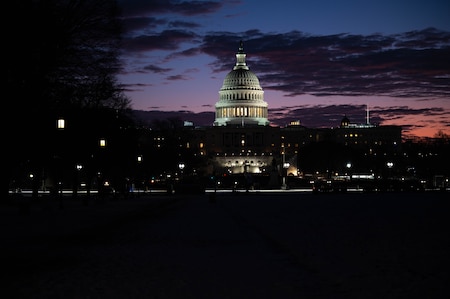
(62, 60)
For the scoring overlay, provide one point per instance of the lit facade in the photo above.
(241, 98)
(241, 140)
(248, 149)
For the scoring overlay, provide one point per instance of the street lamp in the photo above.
(139, 176)
(285, 168)
(78, 167)
(349, 167)
(102, 142)
(61, 123)
(390, 165)
(181, 166)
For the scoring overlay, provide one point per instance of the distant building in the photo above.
(241, 141)
(367, 134)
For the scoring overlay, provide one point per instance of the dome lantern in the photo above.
(240, 58)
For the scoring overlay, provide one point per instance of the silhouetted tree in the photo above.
(62, 58)
(441, 135)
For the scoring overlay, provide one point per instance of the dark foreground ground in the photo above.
(258, 245)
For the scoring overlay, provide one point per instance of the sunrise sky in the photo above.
(316, 60)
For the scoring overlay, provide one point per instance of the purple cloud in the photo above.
(156, 69)
(166, 40)
(183, 24)
(186, 8)
(185, 53)
(177, 77)
(139, 23)
(412, 64)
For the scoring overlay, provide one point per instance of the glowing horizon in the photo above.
(176, 57)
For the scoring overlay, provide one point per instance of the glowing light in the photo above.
(61, 123)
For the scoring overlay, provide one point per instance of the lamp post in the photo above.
(181, 166)
(140, 175)
(60, 125)
(349, 166)
(78, 168)
(390, 165)
(101, 169)
(285, 168)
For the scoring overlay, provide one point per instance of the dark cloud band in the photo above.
(412, 64)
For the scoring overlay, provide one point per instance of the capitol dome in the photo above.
(241, 98)
(241, 78)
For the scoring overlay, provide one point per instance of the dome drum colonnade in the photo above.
(241, 98)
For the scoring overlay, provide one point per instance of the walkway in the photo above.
(289, 245)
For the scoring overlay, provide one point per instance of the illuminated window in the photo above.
(102, 142)
(61, 124)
